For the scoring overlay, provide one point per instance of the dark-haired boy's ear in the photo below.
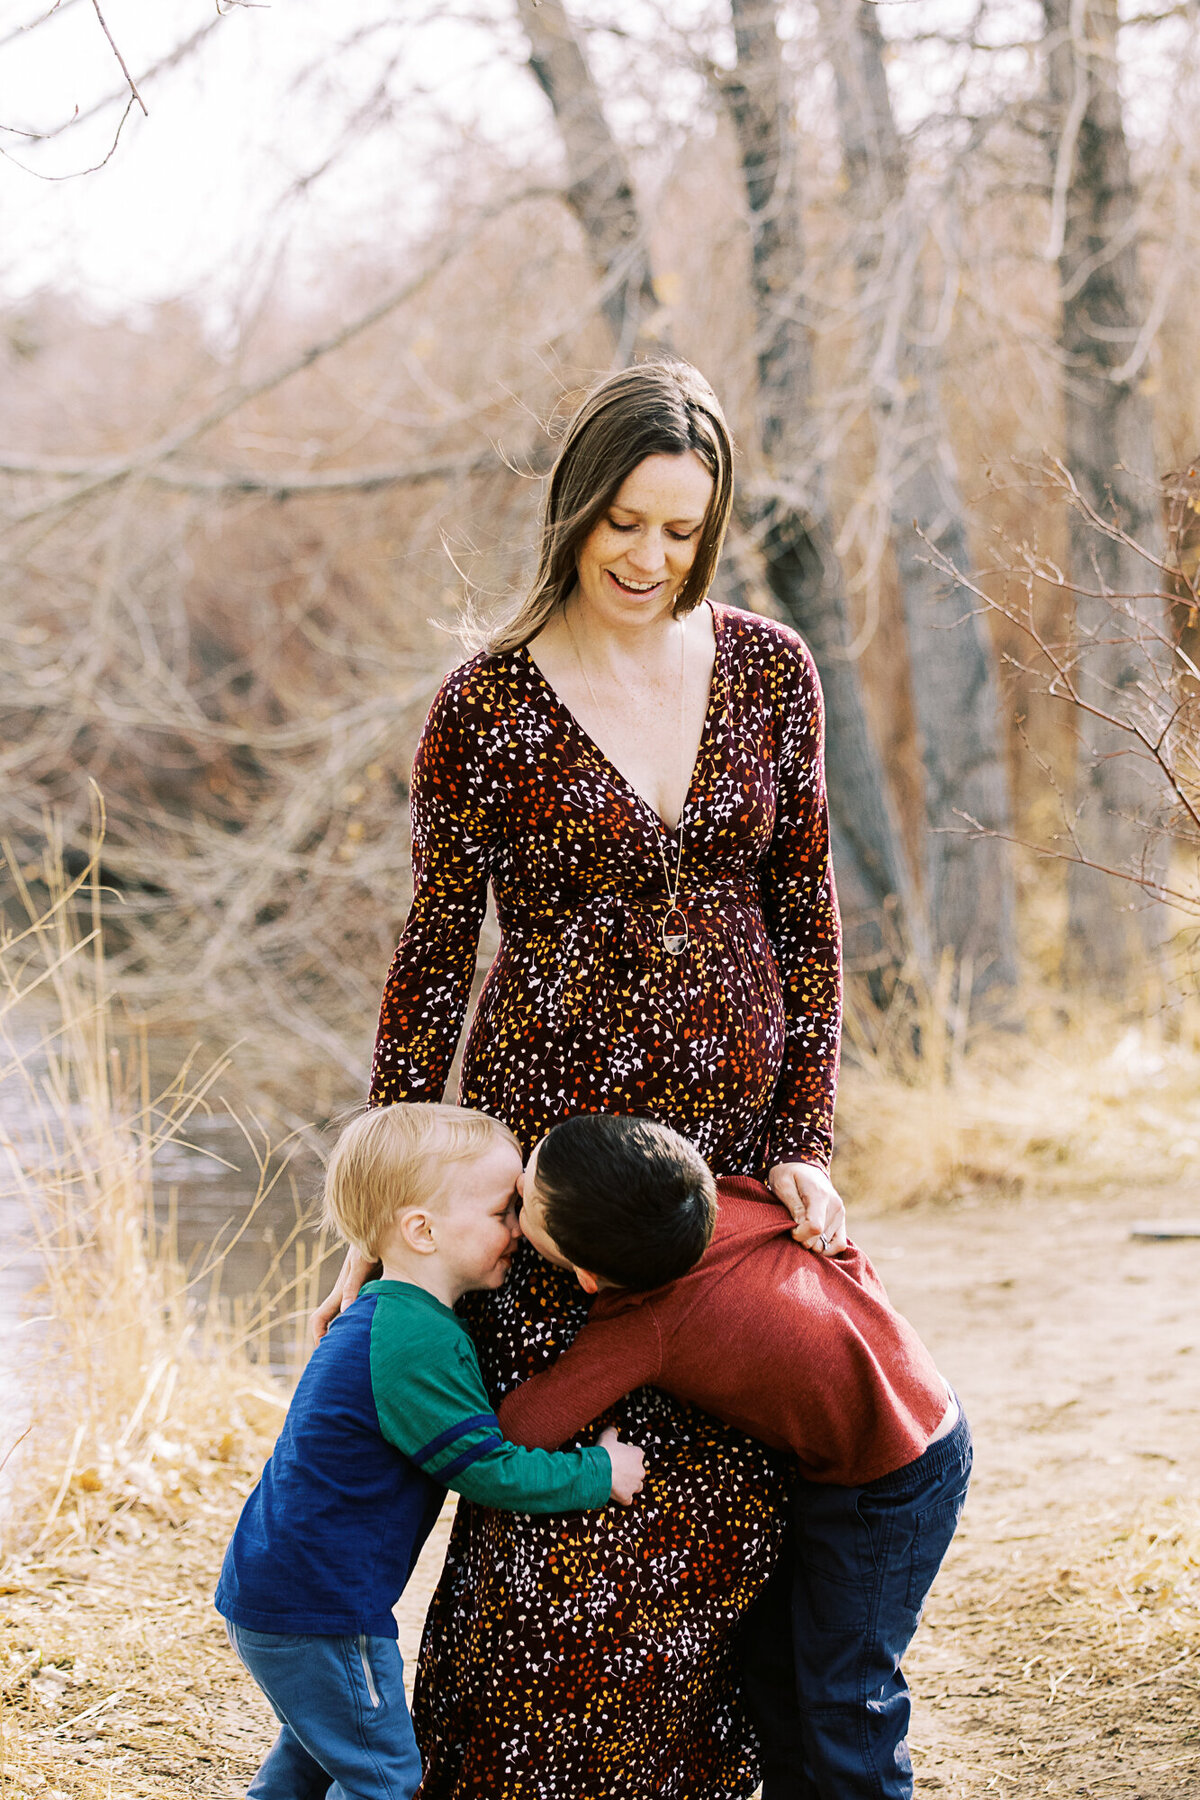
(587, 1281)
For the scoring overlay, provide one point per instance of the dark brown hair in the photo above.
(626, 1199)
(651, 409)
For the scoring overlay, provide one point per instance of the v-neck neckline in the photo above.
(560, 705)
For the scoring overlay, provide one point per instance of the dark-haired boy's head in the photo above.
(622, 1199)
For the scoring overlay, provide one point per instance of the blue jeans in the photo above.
(824, 1642)
(346, 1733)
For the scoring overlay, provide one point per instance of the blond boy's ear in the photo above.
(414, 1229)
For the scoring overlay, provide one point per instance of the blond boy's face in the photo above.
(533, 1217)
(478, 1229)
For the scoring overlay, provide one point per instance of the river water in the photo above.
(205, 1186)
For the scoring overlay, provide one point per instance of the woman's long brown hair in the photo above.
(651, 409)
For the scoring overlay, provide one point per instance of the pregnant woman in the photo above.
(638, 774)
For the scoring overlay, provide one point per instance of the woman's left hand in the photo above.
(814, 1203)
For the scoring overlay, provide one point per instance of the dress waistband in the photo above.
(617, 917)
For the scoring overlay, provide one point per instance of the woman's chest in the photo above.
(567, 815)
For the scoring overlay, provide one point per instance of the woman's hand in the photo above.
(814, 1203)
(355, 1270)
(628, 1466)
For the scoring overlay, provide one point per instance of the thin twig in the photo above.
(124, 66)
(74, 174)
(278, 486)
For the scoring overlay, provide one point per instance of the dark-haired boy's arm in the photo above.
(608, 1359)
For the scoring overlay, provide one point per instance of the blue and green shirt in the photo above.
(389, 1413)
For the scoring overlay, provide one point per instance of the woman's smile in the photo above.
(626, 586)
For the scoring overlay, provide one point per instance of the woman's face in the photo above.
(634, 562)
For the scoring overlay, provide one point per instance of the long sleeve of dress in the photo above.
(800, 907)
(429, 983)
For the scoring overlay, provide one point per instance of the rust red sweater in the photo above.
(802, 1351)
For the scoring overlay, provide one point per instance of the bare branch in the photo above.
(59, 7)
(147, 459)
(116, 52)
(280, 486)
(74, 174)
(1065, 686)
(169, 61)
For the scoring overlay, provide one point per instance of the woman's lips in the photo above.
(637, 592)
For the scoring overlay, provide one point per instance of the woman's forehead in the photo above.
(673, 487)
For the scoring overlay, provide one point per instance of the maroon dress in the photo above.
(576, 1657)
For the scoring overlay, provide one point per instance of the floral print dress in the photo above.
(595, 1655)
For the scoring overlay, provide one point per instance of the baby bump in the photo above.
(594, 1654)
(615, 1023)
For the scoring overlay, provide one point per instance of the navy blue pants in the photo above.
(824, 1642)
(345, 1731)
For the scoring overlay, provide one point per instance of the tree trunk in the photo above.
(969, 884)
(796, 539)
(1109, 451)
(600, 188)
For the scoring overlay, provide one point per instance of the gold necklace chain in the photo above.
(674, 940)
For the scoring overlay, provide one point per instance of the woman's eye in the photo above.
(617, 526)
(683, 537)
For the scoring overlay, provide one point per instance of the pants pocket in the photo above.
(835, 1605)
(931, 1540)
(364, 1656)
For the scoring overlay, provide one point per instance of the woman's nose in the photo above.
(647, 552)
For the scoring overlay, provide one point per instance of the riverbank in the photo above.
(1061, 1651)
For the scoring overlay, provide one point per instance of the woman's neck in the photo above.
(651, 646)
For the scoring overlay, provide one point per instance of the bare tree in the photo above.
(789, 510)
(969, 882)
(600, 189)
(1151, 722)
(1094, 234)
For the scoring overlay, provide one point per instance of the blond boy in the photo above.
(389, 1413)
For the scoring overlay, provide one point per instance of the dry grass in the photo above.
(1073, 1672)
(148, 1404)
(144, 1380)
(1079, 1095)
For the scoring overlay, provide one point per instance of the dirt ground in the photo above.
(1061, 1651)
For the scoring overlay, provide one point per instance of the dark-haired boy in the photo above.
(701, 1290)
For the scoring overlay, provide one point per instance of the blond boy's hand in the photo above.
(628, 1466)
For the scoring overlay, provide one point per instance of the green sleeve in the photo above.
(431, 1403)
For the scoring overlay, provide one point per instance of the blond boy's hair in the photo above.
(394, 1157)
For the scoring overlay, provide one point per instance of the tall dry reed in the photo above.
(143, 1394)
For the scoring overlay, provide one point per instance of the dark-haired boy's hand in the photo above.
(628, 1466)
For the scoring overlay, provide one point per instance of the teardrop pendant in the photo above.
(675, 942)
